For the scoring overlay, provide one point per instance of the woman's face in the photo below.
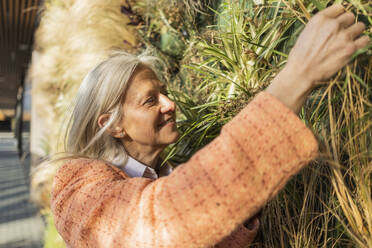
(148, 114)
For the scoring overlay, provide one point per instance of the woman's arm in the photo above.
(201, 201)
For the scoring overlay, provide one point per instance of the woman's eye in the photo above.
(150, 100)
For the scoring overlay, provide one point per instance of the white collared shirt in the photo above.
(134, 168)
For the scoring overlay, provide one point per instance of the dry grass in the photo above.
(73, 36)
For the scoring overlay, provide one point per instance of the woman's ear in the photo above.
(116, 132)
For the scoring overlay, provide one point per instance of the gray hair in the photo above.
(102, 91)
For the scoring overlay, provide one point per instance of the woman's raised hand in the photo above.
(323, 48)
(326, 44)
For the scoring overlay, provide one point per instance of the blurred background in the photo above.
(21, 224)
(218, 56)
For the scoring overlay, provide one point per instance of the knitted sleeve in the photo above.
(200, 202)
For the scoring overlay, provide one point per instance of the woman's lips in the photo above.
(170, 121)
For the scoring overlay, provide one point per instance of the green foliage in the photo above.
(232, 50)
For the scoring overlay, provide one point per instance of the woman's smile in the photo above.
(169, 122)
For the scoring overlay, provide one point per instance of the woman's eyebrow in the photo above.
(144, 94)
(139, 97)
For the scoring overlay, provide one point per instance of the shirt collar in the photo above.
(135, 168)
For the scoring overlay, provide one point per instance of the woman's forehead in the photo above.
(143, 72)
(143, 82)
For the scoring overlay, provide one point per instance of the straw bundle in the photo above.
(73, 36)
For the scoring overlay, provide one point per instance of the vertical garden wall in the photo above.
(230, 57)
(219, 55)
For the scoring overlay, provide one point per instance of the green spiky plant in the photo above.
(227, 61)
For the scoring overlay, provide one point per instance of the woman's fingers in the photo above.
(323, 48)
(333, 11)
(325, 45)
(346, 19)
(355, 30)
(362, 42)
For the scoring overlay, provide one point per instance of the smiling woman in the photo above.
(95, 126)
(146, 102)
(109, 194)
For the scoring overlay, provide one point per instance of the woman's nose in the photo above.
(166, 104)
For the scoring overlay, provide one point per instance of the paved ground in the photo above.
(20, 224)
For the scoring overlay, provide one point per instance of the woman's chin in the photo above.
(173, 137)
(168, 135)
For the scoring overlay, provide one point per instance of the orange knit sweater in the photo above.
(202, 202)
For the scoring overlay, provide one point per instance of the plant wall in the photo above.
(220, 54)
